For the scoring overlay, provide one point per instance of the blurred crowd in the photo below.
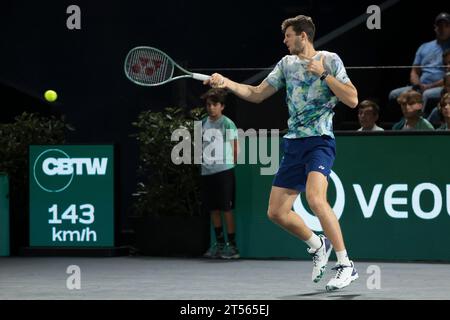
(425, 101)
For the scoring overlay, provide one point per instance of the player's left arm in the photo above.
(345, 92)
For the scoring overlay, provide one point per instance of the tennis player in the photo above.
(314, 81)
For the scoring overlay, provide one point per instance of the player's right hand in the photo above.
(216, 81)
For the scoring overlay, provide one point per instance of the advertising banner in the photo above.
(71, 195)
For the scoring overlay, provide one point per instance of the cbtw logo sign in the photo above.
(367, 204)
(54, 170)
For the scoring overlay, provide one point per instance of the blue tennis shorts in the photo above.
(301, 156)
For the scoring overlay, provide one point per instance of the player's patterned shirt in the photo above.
(310, 100)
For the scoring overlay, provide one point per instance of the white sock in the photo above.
(314, 242)
(342, 257)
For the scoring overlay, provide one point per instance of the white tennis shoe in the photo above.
(343, 277)
(320, 258)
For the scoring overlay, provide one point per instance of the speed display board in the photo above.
(71, 195)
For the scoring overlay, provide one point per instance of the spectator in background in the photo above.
(434, 117)
(444, 108)
(412, 104)
(428, 81)
(446, 60)
(368, 112)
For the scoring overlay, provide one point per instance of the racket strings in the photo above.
(149, 66)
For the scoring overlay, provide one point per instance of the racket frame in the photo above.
(193, 75)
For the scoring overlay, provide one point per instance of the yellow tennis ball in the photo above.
(50, 95)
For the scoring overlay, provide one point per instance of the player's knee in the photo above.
(316, 203)
(275, 214)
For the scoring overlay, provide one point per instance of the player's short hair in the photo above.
(300, 24)
(410, 97)
(215, 95)
(370, 104)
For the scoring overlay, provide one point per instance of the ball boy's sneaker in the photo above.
(215, 251)
(231, 252)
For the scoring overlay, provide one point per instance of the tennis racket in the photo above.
(147, 66)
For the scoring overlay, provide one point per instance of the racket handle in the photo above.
(201, 77)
